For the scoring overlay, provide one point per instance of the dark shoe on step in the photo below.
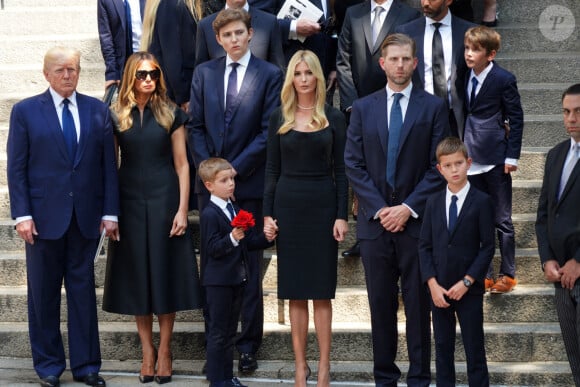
(50, 381)
(91, 379)
(247, 363)
(146, 378)
(235, 382)
(353, 252)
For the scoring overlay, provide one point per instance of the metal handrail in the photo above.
(1, 4)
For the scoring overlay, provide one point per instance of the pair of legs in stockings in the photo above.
(299, 327)
(145, 329)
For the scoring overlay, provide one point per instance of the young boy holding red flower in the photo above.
(226, 238)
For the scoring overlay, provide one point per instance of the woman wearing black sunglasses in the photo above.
(152, 268)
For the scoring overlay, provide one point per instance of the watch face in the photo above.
(466, 282)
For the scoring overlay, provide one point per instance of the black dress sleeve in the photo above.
(273, 164)
(338, 123)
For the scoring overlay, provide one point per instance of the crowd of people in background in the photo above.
(427, 132)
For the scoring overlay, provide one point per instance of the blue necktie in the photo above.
(473, 88)
(232, 92)
(230, 209)
(395, 125)
(452, 212)
(69, 130)
(129, 29)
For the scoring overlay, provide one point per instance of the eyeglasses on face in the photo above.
(153, 74)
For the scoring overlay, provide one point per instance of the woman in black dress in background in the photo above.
(305, 196)
(152, 268)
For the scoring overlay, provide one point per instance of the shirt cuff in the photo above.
(112, 218)
(413, 213)
(21, 219)
(292, 32)
(511, 161)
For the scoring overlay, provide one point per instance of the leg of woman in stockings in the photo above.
(166, 321)
(489, 12)
(323, 326)
(145, 329)
(299, 329)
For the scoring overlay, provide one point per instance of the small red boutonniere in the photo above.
(243, 219)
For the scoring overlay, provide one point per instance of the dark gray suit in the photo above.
(357, 60)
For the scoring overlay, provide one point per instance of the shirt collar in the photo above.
(244, 60)
(406, 91)
(460, 195)
(446, 21)
(386, 5)
(57, 98)
(246, 7)
(482, 75)
(221, 203)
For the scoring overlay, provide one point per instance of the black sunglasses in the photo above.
(153, 74)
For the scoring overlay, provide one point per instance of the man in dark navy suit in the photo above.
(390, 163)
(232, 98)
(266, 40)
(118, 41)
(62, 178)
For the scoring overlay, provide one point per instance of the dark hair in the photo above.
(450, 145)
(230, 15)
(572, 90)
(398, 40)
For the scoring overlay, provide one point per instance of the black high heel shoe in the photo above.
(149, 378)
(159, 379)
(308, 373)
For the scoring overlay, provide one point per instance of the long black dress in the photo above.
(148, 272)
(306, 191)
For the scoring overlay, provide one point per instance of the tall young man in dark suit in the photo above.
(266, 40)
(118, 39)
(441, 74)
(357, 59)
(390, 163)
(62, 178)
(558, 227)
(231, 101)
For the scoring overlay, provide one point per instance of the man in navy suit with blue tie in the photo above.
(62, 178)
(390, 163)
(232, 98)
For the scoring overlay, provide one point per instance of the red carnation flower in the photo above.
(243, 219)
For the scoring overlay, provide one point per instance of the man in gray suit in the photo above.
(365, 27)
(558, 227)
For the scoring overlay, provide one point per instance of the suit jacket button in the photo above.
(70, 194)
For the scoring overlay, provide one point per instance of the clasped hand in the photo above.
(394, 218)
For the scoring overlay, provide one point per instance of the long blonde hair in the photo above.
(149, 17)
(290, 100)
(162, 107)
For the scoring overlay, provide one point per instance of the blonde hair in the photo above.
(149, 17)
(484, 37)
(288, 94)
(160, 104)
(208, 169)
(59, 53)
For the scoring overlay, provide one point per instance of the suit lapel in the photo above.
(382, 121)
(419, 42)
(574, 175)
(464, 208)
(390, 20)
(248, 83)
(120, 8)
(413, 111)
(363, 21)
(52, 123)
(489, 80)
(84, 118)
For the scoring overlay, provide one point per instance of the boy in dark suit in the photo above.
(493, 136)
(454, 263)
(224, 270)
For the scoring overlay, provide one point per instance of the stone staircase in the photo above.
(523, 341)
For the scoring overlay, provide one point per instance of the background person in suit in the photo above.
(391, 208)
(454, 264)
(229, 119)
(118, 41)
(266, 40)
(63, 188)
(444, 76)
(357, 60)
(169, 29)
(493, 136)
(558, 227)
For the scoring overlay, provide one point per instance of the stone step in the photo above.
(80, 19)
(351, 341)
(15, 4)
(274, 373)
(526, 304)
(31, 48)
(543, 130)
(531, 10)
(29, 79)
(532, 161)
(350, 270)
(549, 67)
(527, 37)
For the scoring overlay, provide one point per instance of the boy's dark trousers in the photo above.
(469, 311)
(223, 307)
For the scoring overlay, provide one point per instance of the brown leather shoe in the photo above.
(504, 284)
(489, 282)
